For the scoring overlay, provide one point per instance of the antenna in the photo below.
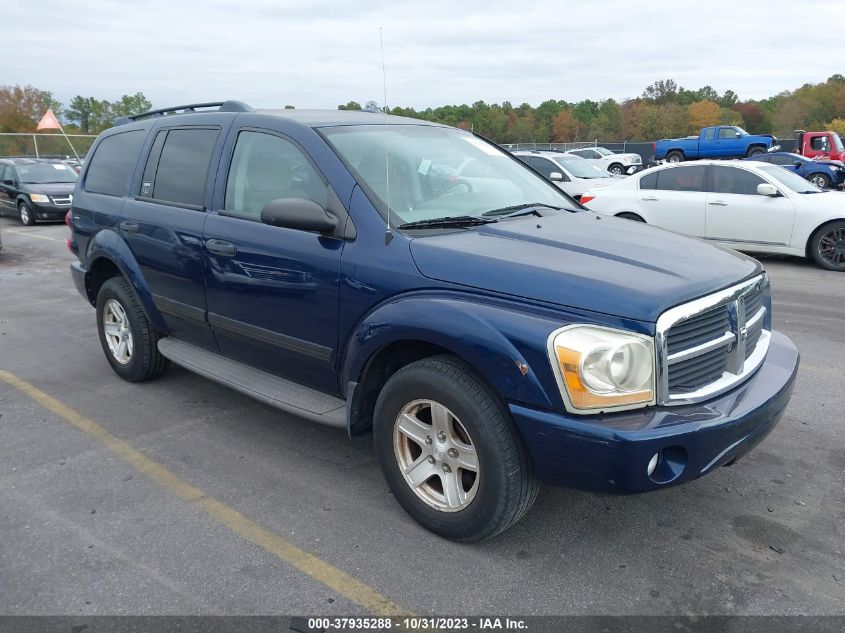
(388, 234)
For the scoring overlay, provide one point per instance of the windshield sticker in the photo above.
(59, 167)
(425, 165)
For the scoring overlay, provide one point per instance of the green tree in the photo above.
(352, 105)
(21, 107)
(128, 105)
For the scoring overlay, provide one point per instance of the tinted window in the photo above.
(781, 160)
(152, 165)
(183, 166)
(113, 160)
(544, 166)
(689, 178)
(727, 132)
(6, 173)
(649, 181)
(709, 134)
(266, 167)
(734, 180)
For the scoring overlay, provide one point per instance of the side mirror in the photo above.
(738, 134)
(556, 176)
(9, 181)
(299, 214)
(765, 189)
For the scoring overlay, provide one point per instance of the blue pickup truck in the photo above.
(486, 330)
(721, 141)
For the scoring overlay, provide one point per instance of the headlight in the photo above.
(600, 368)
(38, 197)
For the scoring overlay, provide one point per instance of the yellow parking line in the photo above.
(321, 571)
(27, 234)
(824, 370)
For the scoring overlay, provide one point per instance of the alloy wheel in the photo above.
(117, 332)
(832, 246)
(436, 455)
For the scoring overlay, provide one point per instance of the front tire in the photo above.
(755, 151)
(674, 157)
(127, 338)
(827, 246)
(26, 214)
(616, 169)
(449, 451)
(820, 180)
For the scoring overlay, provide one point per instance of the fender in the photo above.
(503, 343)
(108, 244)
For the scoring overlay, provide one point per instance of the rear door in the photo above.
(737, 215)
(272, 292)
(163, 222)
(673, 198)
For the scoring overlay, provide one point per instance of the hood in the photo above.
(50, 188)
(583, 260)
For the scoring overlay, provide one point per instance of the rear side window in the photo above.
(709, 134)
(733, 180)
(544, 166)
(649, 181)
(689, 178)
(182, 167)
(112, 162)
(781, 160)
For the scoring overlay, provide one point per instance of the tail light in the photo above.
(654, 147)
(67, 217)
(586, 198)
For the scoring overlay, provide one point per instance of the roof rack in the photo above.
(222, 106)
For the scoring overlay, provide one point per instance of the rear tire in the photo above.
(827, 246)
(631, 216)
(457, 421)
(128, 340)
(674, 157)
(27, 216)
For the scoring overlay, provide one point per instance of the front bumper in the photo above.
(48, 211)
(611, 453)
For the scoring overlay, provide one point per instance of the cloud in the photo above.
(321, 53)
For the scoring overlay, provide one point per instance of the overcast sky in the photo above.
(320, 53)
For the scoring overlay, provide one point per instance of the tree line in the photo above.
(664, 109)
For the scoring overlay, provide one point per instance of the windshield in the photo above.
(42, 173)
(603, 151)
(579, 167)
(790, 179)
(837, 142)
(420, 172)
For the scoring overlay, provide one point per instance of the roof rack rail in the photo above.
(222, 106)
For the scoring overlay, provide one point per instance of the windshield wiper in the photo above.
(454, 221)
(519, 209)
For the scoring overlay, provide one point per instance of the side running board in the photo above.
(277, 392)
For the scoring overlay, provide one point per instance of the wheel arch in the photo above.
(404, 331)
(107, 256)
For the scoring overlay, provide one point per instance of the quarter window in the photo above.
(112, 162)
(182, 169)
(266, 167)
(734, 180)
(649, 181)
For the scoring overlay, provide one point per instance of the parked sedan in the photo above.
(35, 189)
(571, 173)
(604, 159)
(822, 173)
(750, 206)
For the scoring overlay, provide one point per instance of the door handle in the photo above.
(130, 227)
(718, 203)
(650, 198)
(222, 248)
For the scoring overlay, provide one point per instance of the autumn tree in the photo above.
(703, 114)
(21, 107)
(564, 127)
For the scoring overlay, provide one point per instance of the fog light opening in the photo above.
(667, 465)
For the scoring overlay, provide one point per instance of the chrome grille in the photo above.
(709, 345)
(62, 201)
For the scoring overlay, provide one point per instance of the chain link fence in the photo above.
(44, 145)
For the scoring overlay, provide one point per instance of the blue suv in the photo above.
(489, 332)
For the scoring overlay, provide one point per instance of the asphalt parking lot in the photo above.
(182, 497)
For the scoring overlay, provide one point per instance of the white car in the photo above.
(617, 164)
(747, 205)
(572, 174)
